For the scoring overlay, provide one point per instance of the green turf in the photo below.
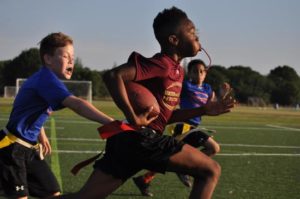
(259, 153)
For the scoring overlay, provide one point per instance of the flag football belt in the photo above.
(185, 127)
(8, 138)
(105, 131)
(115, 127)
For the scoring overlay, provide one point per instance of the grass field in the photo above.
(260, 153)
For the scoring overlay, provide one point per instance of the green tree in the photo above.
(101, 90)
(216, 76)
(248, 83)
(287, 89)
(2, 75)
(84, 73)
(22, 66)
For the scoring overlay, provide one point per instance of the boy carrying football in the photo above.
(195, 93)
(128, 152)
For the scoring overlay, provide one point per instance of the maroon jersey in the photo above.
(163, 77)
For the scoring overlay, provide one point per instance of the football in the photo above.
(141, 99)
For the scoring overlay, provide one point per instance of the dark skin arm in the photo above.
(115, 80)
(212, 108)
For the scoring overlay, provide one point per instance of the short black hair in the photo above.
(166, 23)
(194, 63)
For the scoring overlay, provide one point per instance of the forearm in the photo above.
(180, 115)
(42, 134)
(87, 110)
(115, 84)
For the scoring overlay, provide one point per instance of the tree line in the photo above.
(280, 86)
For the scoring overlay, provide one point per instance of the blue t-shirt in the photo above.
(193, 96)
(39, 95)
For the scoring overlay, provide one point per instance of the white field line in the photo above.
(221, 154)
(76, 152)
(57, 127)
(261, 146)
(80, 139)
(260, 154)
(283, 127)
(62, 121)
(268, 126)
(229, 145)
(77, 122)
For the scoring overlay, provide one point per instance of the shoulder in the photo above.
(47, 80)
(47, 75)
(207, 87)
(189, 85)
(157, 60)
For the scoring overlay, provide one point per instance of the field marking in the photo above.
(57, 127)
(266, 128)
(261, 146)
(283, 127)
(261, 154)
(54, 157)
(233, 145)
(80, 139)
(221, 154)
(76, 122)
(76, 152)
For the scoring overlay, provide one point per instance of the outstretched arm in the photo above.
(212, 108)
(86, 109)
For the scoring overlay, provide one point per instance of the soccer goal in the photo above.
(82, 89)
(9, 92)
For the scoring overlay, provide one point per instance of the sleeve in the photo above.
(184, 89)
(53, 91)
(209, 90)
(146, 68)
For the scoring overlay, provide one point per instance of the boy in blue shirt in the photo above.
(22, 171)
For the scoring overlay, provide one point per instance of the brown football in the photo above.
(141, 99)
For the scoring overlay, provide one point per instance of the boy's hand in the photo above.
(44, 141)
(144, 119)
(224, 105)
(225, 90)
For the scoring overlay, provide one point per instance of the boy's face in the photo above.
(188, 44)
(62, 62)
(198, 74)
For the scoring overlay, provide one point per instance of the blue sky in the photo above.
(262, 34)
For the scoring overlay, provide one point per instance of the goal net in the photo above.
(82, 89)
(9, 91)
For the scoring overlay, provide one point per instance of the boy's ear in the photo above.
(47, 59)
(173, 39)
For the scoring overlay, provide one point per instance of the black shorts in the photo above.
(22, 173)
(129, 152)
(194, 137)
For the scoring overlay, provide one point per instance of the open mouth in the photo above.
(69, 69)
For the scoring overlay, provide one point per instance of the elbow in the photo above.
(110, 76)
(107, 76)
